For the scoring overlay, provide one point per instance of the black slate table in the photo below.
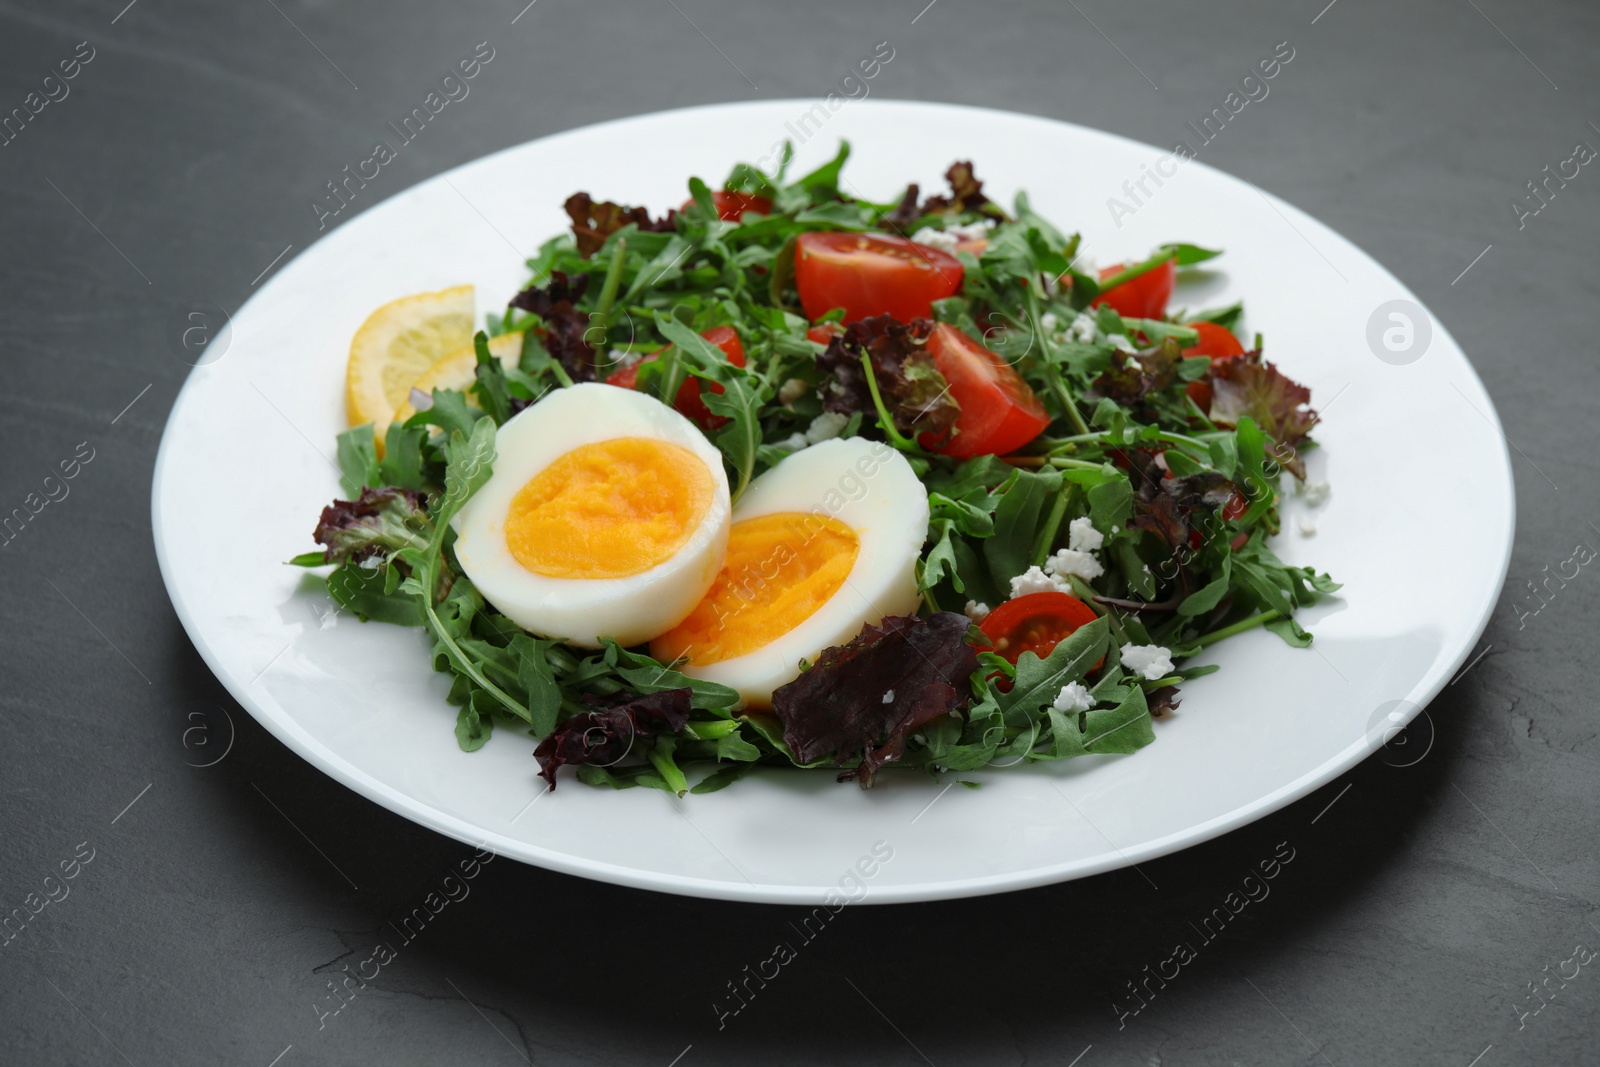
(1432, 904)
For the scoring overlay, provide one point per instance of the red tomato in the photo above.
(999, 412)
(1035, 623)
(688, 400)
(872, 274)
(1218, 342)
(731, 206)
(824, 333)
(1145, 297)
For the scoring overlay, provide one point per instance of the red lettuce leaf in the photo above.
(966, 194)
(564, 324)
(593, 222)
(605, 734)
(916, 395)
(378, 523)
(1249, 385)
(867, 696)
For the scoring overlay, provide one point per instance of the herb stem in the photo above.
(1238, 628)
(1063, 463)
(601, 317)
(1052, 525)
(904, 444)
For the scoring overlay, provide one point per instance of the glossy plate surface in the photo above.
(245, 467)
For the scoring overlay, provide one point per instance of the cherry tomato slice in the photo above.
(1145, 297)
(731, 206)
(999, 412)
(872, 274)
(1035, 623)
(688, 402)
(824, 333)
(1218, 342)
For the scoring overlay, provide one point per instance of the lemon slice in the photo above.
(396, 345)
(459, 370)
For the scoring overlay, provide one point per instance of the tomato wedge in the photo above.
(872, 274)
(731, 206)
(824, 333)
(999, 412)
(1035, 623)
(1218, 342)
(688, 402)
(1144, 297)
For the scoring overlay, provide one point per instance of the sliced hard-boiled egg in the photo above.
(821, 544)
(607, 516)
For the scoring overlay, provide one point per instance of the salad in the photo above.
(788, 477)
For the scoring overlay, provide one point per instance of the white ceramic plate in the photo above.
(1418, 527)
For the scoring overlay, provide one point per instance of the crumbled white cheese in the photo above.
(1033, 580)
(1083, 329)
(825, 427)
(943, 240)
(1116, 529)
(1313, 492)
(1085, 264)
(1082, 535)
(972, 231)
(792, 390)
(794, 442)
(1307, 528)
(1071, 561)
(888, 696)
(1048, 322)
(1073, 697)
(1151, 661)
(976, 610)
(1119, 341)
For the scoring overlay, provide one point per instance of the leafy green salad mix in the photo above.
(1102, 473)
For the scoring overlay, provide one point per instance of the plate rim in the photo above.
(334, 765)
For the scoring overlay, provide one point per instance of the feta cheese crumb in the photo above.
(1071, 561)
(1082, 535)
(1121, 342)
(888, 696)
(1073, 697)
(792, 390)
(976, 610)
(1083, 329)
(794, 442)
(1033, 580)
(1313, 492)
(1048, 322)
(944, 240)
(1086, 264)
(1307, 528)
(825, 427)
(972, 230)
(1149, 661)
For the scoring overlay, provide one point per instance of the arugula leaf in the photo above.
(358, 460)
(1017, 517)
(1038, 681)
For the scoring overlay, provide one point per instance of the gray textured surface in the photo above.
(1418, 907)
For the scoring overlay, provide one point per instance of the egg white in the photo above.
(581, 611)
(869, 487)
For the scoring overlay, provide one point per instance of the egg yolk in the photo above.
(779, 570)
(609, 509)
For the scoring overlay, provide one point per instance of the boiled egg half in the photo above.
(607, 515)
(821, 544)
